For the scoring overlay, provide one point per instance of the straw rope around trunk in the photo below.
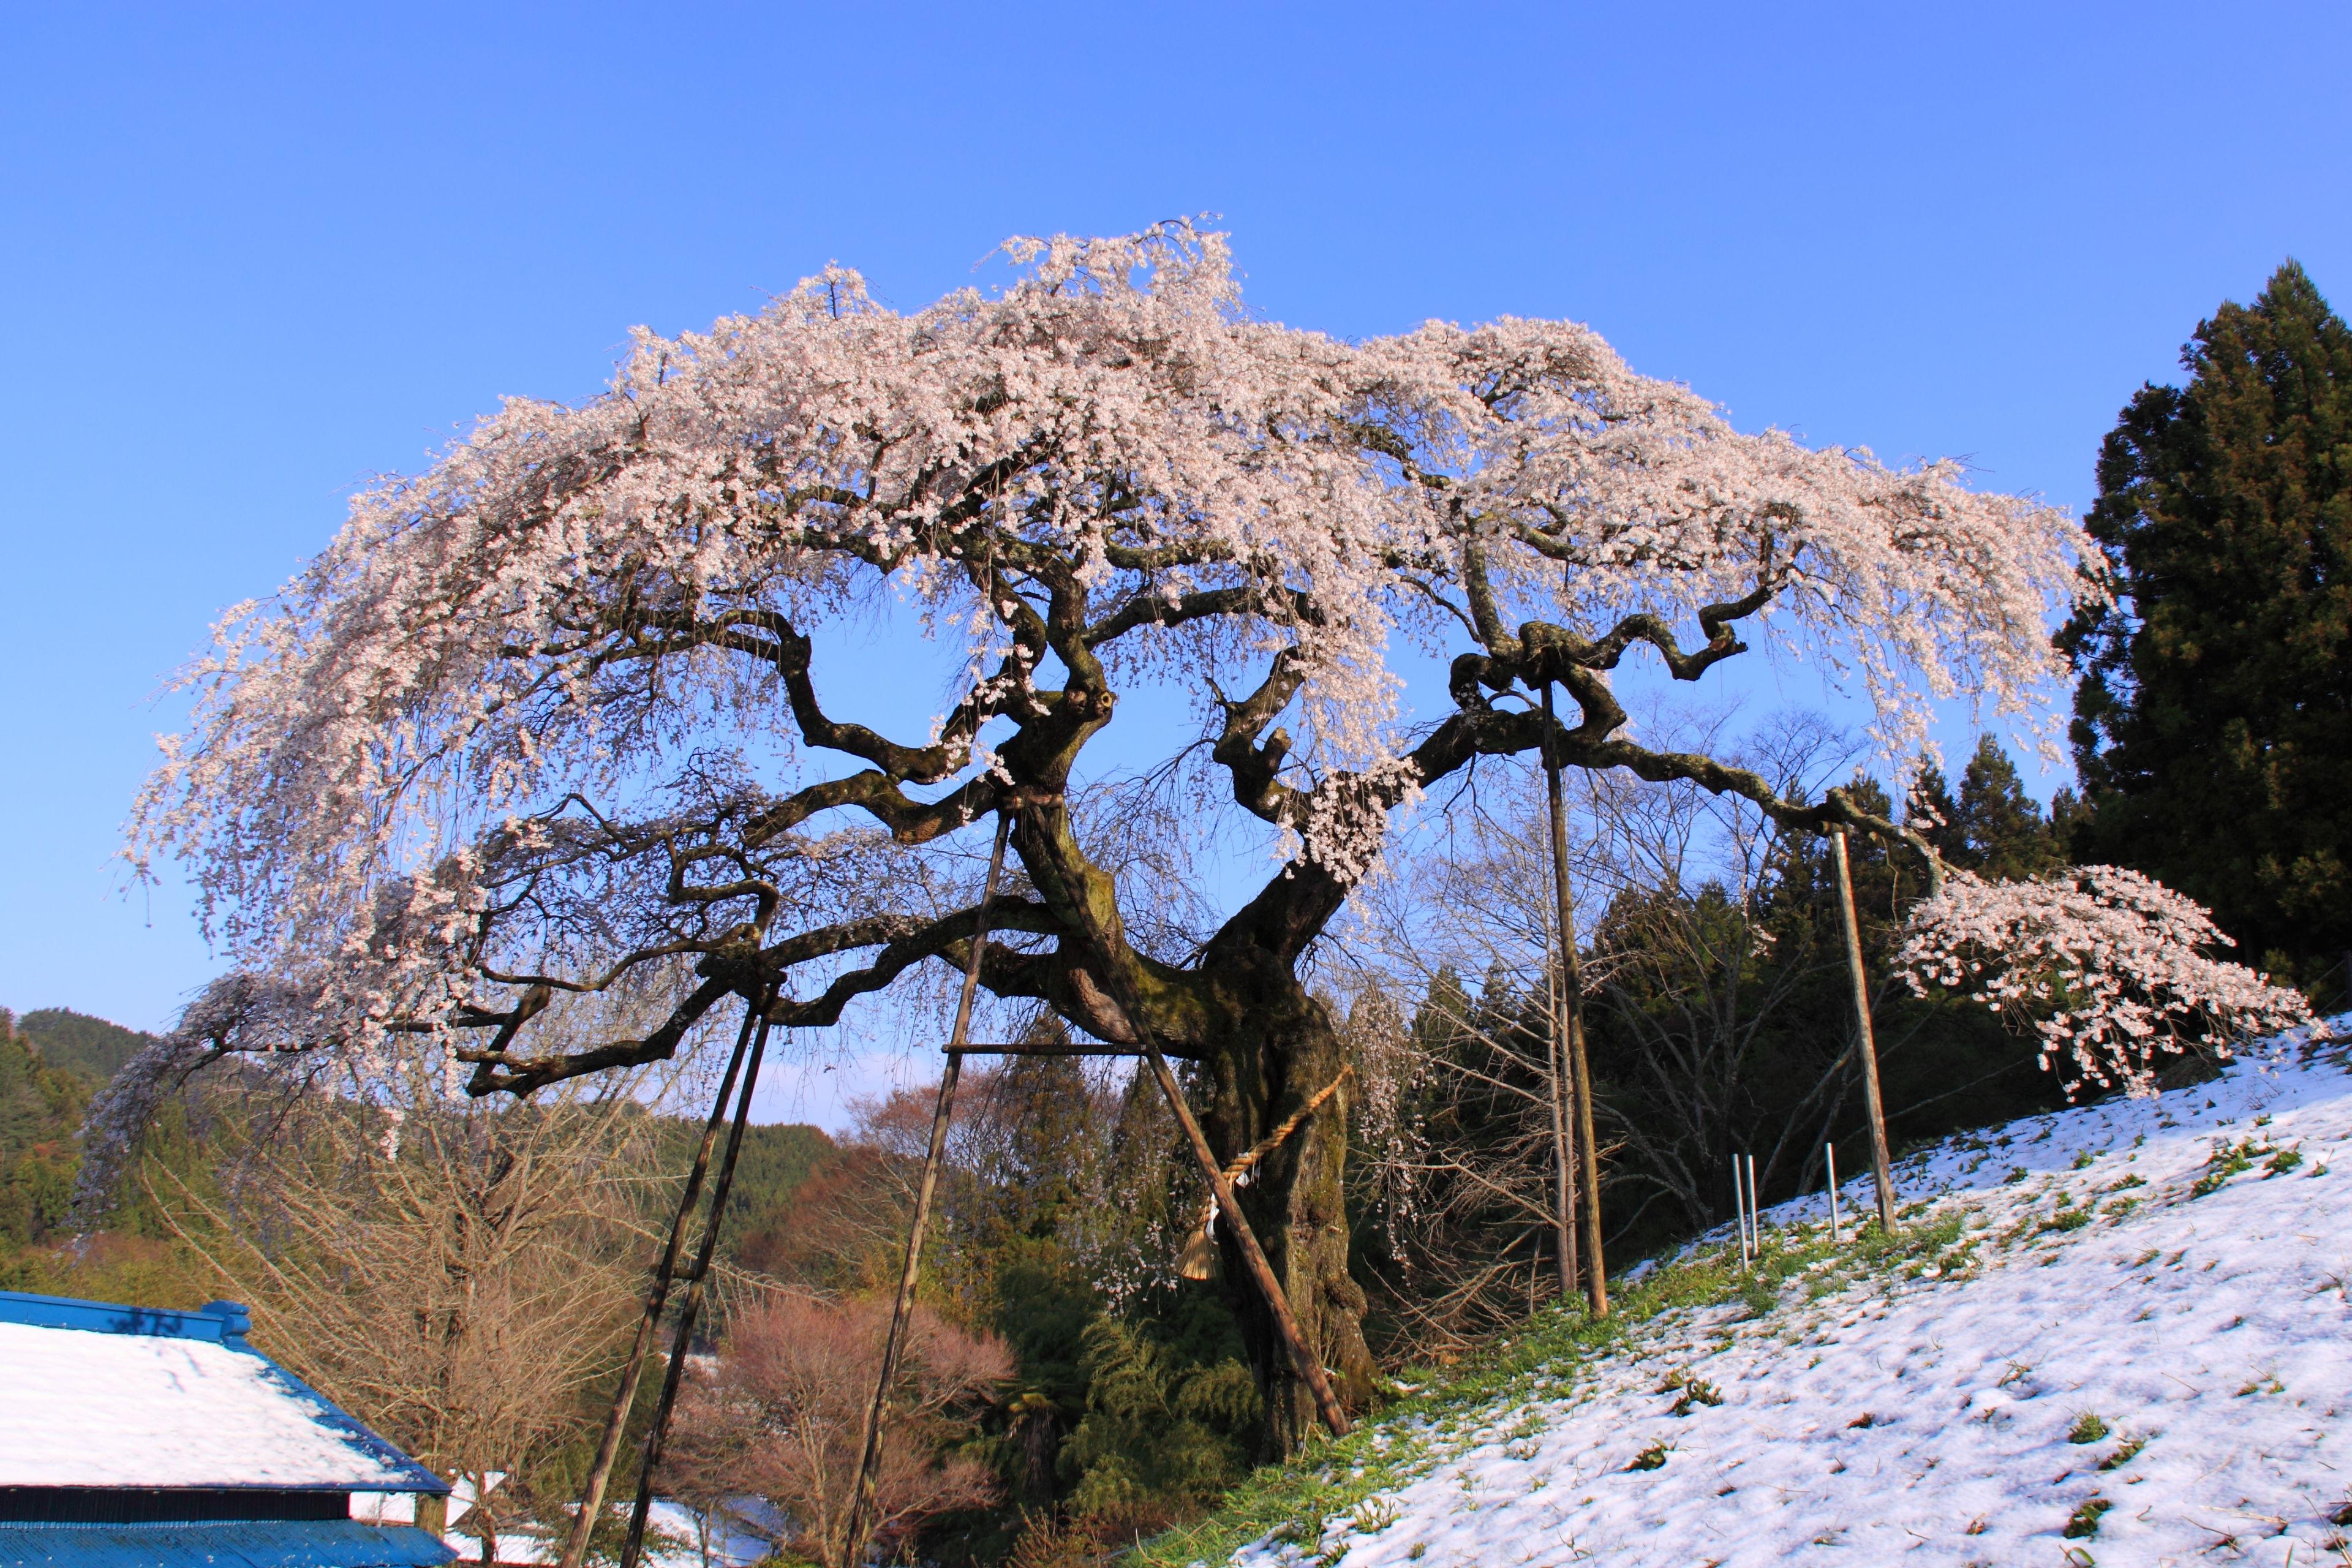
(1192, 1263)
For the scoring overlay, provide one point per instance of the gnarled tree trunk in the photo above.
(1281, 1050)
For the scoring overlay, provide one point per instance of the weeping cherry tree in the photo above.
(551, 717)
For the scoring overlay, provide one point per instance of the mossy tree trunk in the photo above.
(1285, 1051)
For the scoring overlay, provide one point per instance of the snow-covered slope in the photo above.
(2133, 1312)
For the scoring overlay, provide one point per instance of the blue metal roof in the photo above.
(271, 1543)
(224, 1323)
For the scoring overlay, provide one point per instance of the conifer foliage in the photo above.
(1994, 827)
(2214, 715)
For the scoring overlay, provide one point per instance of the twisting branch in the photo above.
(1110, 469)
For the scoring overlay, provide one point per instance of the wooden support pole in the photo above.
(688, 1309)
(860, 1522)
(1045, 1049)
(1563, 1147)
(1596, 1271)
(608, 1448)
(1881, 1167)
(1831, 1149)
(1308, 1366)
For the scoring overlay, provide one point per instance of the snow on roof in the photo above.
(94, 1394)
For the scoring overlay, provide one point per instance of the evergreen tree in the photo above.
(2213, 723)
(1994, 828)
(2004, 831)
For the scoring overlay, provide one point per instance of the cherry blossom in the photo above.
(454, 662)
(548, 716)
(2110, 968)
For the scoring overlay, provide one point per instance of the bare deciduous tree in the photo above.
(780, 1413)
(458, 1271)
(1464, 939)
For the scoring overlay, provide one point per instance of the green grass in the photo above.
(1464, 1407)
(2227, 1161)
(2083, 1522)
(2124, 1453)
(1696, 1391)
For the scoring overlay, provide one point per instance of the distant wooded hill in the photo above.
(52, 1061)
(79, 1043)
(776, 1161)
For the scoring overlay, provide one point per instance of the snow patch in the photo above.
(79, 1408)
(2132, 1345)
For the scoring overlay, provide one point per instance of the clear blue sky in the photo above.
(253, 256)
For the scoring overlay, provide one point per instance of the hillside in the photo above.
(79, 1043)
(775, 1159)
(2115, 1334)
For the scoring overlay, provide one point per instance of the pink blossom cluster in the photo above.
(2108, 966)
(558, 608)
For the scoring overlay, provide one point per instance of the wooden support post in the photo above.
(870, 1468)
(1308, 1366)
(1596, 1272)
(658, 1436)
(608, 1448)
(1563, 1149)
(1881, 1167)
(1047, 1049)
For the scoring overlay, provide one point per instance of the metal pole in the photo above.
(608, 1448)
(1755, 1208)
(1748, 1205)
(1739, 1210)
(870, 1468)
(1596, 1272)
(657, 1435)
(1830, 1148)
(1881, 1167)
